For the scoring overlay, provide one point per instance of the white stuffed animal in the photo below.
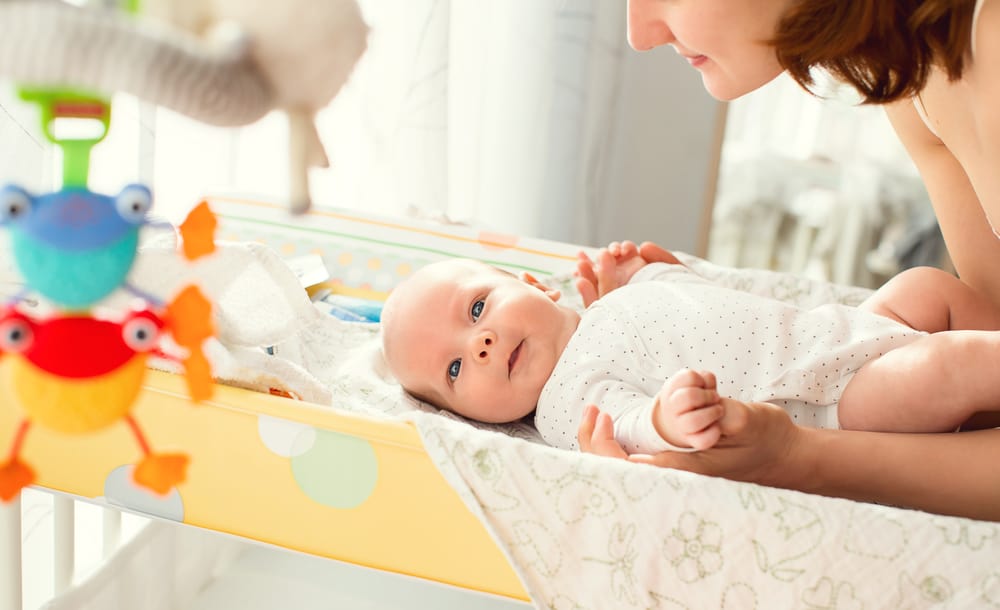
(305, 49)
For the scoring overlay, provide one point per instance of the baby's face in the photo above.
(474, 340)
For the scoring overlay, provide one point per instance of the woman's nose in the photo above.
(483, 343)
(646, 27)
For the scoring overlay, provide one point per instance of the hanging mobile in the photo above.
(72, 372)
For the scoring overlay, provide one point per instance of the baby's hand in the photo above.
(688, 410)
(614, 267)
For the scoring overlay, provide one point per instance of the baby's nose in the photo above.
(482, 345)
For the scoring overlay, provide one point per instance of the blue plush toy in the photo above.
(74, 246)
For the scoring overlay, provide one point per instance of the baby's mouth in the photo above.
(513, 358)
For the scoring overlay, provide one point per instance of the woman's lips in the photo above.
(695, 60)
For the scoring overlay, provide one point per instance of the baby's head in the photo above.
(474, 339)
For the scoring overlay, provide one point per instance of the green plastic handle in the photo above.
(58, 103)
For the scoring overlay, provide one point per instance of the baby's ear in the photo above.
(532, 281)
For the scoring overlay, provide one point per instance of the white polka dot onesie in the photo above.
(667, 318)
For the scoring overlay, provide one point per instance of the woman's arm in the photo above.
(953, 474)
(973, 247)
(950, 474)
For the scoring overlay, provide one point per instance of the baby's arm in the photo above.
(615, 266)
(688, 410)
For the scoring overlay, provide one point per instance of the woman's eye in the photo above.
(477, 309)
(454, 368)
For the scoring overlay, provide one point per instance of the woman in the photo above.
(932, 64)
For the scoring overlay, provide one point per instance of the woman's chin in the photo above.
(723, 92)
(726, 89)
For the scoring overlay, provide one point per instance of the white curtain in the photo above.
(820, 186)
(530, 117)
(492, 112)
(783, 120)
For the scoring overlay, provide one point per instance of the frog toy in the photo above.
(75, 374)
(75, 247)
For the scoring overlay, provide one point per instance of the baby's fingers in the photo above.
(585, 268)
(587, 290)
(705, 439)
(697, 420)
(689, 398)
(586, 282)
(708, 380)
(607, 277)
(691, 378)
(652, 253)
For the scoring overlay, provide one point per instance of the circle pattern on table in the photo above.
(338, 471)
(121, 489)
(285, 438)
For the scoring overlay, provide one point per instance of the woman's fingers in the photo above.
(596, 434)
(585, 431)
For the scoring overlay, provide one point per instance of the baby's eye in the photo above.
(477, 309)
(454, 368)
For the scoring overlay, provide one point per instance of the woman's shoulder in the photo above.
(985, 28)
(983, 79)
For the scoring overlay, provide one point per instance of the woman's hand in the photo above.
(759, 444)
(938, 473)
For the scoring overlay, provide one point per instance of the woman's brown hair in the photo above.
(883, 48)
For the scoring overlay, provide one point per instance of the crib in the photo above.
(291, 503)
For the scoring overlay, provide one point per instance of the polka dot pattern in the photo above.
(631, 341)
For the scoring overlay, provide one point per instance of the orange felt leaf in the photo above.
(190, 318)
(161, 471)
(15, 475)
(198, 373)
(198, 232)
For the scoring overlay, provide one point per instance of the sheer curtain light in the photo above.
(528, 117)
(485, 112)
(497, 113)
(812, 184)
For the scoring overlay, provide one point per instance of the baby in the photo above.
(487, 345)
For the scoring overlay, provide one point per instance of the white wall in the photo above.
(664, 155)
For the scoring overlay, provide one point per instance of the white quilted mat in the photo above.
(585, 532)
(591, 533)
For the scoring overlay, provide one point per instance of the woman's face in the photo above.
(722, 39)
